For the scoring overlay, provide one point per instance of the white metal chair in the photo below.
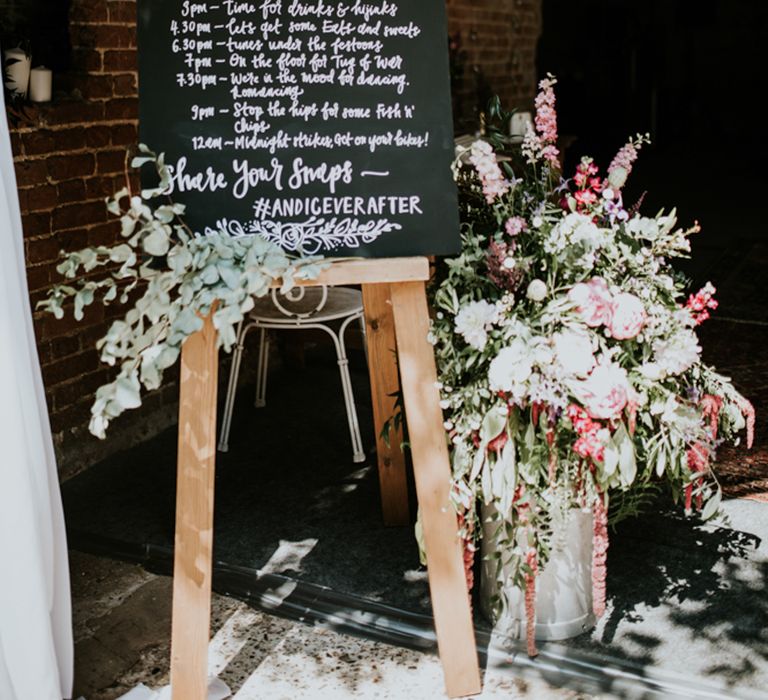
(300, 308)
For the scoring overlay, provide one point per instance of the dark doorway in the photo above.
(690, 73)
(39, 26)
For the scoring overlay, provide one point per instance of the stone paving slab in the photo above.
(122, 615)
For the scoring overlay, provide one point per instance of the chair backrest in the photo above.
(300, 302)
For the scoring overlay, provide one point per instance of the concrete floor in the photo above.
(122, 621)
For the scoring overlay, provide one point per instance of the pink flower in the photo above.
(599, 555)
(589, 443)
(546, 119)
(515, 225)
(700, 303)
(748, 411)
(628, 316)
(491, 177)
(585, 197)
(621, 165)
(594, 301)
(710, 409)
(539, 143)
(606, 391)
(551, 154)
(530, 602)
(698, 462)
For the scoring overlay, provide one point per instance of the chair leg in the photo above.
(229, 403)
(364, 332)
(349, 398)
(261, 369)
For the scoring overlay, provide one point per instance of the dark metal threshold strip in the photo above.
(557, 664)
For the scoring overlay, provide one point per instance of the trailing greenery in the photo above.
(170, 278)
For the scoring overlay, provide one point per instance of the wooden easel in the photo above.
(403, 280)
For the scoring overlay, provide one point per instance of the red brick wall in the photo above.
(498, 41)
(72, 155)
(69, 156)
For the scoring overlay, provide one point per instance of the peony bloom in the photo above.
(511, 368)
(627, 316)
(605, 392)
(474, 320)
(594, 301)
(678, 352)
(573, 352)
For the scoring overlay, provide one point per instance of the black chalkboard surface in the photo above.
(323, 125)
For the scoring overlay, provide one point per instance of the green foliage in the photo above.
(169, 279)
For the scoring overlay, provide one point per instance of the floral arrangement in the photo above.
(570, 370)
(174, 278)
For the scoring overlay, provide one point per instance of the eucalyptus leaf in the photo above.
(478, 461)
(157, 241)
(712, 506)
(494, 423)
(610, 458)
(627, 462)
(127, 392)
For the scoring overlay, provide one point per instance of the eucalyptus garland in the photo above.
(170, 278)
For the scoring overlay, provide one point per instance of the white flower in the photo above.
(573, 352)
(511, 368)
(678, 352)
(608, 193)
(547, 390)
(643, 227)
(586, 232)
(537, 290)
(652, 371)
(543, 354)
(537, 221)
(576, 229)
(474, 320)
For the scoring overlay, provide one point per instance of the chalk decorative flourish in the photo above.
(315, 235)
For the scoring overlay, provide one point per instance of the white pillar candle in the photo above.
(17, 65)
(519, 123)
(40, 84)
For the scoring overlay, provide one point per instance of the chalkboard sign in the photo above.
(322, 125)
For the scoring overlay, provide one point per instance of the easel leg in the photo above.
(382, 368)
(447, 583)
(192, 568)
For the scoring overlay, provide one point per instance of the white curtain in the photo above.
(35, 612)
